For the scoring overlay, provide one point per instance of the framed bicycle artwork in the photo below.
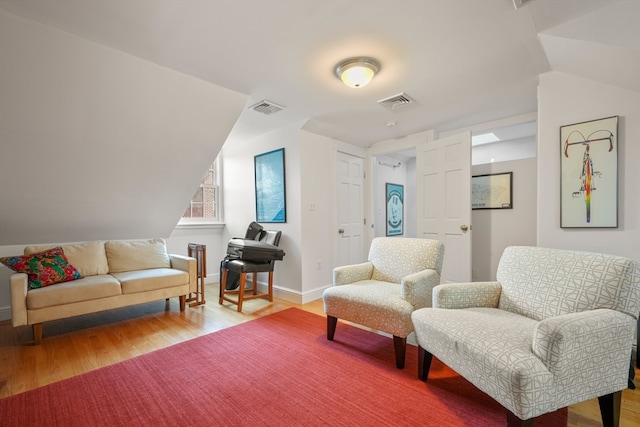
(589, 174)
(395, 209)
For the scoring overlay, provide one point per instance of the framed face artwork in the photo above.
(395, 209)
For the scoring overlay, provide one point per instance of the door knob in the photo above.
(464, 227)
(340, 231)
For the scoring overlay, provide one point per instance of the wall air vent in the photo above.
(396, 102)
(266, 107)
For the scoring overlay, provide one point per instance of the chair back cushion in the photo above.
(541, 282)
(396, 257)
(271, 236)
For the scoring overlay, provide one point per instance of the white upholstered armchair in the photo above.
(382, 293)
(555, 329)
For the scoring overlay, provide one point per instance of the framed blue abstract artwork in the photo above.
(271, 203)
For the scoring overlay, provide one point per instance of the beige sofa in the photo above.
(114, 274)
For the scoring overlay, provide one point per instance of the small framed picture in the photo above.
(492, 191)
(395, 209)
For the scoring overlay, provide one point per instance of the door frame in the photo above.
(385, 148)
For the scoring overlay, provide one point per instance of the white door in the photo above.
(443, 171)
(350, 191)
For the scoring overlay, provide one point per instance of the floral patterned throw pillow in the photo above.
(43, 268)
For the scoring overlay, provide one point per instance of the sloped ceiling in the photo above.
(111, 110)
(603, 45)
(98, 144)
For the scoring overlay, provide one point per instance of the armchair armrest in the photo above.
(417, 288)
(19, 285)
(467, 295)
(188, 264)
(589, 346)
(352, 273)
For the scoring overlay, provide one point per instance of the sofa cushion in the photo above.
(85, 289)
(88, 258)
(148, 280)
(492, 349)
(43, 268)
(136, 255)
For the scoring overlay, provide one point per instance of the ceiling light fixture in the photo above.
(357, 72)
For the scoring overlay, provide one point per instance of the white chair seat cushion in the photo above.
(492, 349)
(378, 305)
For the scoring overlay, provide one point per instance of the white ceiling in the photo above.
(463, 61)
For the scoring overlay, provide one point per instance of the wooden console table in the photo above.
(199, 252)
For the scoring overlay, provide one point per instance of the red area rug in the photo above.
(278, 370)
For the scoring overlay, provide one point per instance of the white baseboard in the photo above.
(286, 294)
(5, 313)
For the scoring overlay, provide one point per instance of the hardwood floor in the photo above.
(81, 344)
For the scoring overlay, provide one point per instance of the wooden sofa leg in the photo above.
(424, 363)
(183, 302)
(610, 409)
(514, 421)
(400, 345)
(37, 333)
(332, 322)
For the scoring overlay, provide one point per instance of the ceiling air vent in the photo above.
(520, 3)
(266, 107)
(396, 102)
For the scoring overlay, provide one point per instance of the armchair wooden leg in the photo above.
(610, 409)
(514, 421)
(223, 284)
(37, 333)
(331, 327)
(424, 363)
(183, 302)
(243, 282)
(400, 345)
(270, 286)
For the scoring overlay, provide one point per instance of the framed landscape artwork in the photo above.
(271, 203)
(395, 209)
(589, 174)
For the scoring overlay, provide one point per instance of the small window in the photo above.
(205, 204)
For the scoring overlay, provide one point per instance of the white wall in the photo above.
(210, 236)
(318, 177)
(503, 151)
(239, 201)
(98, 144)
(495, 229)
(563, 100)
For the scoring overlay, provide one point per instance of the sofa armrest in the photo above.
(19, 286)
(417, 288)
(188, 264)
(467, 295)
(352, 273)
(592, 346)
